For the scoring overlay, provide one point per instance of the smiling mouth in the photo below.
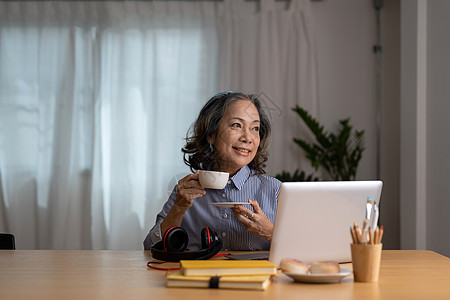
(242, 150)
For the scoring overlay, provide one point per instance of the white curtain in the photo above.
(96, 98)
(270, 50)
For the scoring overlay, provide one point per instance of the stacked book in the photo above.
(226, 274)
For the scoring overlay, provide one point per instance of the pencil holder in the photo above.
(366, 262)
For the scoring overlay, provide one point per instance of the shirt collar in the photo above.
(241, 177)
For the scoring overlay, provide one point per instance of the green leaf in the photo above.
(338, 154)
(296, 177)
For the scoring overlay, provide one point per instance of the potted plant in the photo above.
(337, 154)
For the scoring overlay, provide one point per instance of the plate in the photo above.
(320, 278)
(228, 204)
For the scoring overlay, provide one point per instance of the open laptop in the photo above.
(313, 219)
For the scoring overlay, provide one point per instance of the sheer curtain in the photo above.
(269, 49)
(96, 98)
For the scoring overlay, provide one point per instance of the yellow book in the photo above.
(227, 267)
(253, 282)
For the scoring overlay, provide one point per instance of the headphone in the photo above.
(175, 240)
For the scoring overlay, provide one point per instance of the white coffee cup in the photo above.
(213, 179)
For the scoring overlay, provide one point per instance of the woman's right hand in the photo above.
(189, 189)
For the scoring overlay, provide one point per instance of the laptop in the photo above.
(313, 219)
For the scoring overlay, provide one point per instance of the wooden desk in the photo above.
(84, 274)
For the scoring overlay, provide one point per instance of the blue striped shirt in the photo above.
(242, 186)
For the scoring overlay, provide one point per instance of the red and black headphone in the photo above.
(175, 241)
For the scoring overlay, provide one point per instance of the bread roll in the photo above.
(291, 265)
(324, 267)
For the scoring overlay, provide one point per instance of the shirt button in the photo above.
(224, 234)
(224, 195)
(229, 181)
(224, 216)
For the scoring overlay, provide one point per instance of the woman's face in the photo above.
(237, 139)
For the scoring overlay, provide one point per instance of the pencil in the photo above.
(358, 235)
(370, 236)
(364, 238)
(352, 233)
(377, 235)
(381, 234)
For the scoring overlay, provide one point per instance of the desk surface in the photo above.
(85, 274)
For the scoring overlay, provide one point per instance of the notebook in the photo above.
(313, 219)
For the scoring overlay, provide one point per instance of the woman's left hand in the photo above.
(254, 221)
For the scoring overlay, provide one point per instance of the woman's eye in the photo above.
(256, 129)
(236, 125)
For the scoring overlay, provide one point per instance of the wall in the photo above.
(390, 123)
(425, 108)
(345, 36)
(438, 178)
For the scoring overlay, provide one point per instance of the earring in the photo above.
(211, 147)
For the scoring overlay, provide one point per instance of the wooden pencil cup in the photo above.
(366, 262)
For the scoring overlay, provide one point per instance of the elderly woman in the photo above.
(231, 134)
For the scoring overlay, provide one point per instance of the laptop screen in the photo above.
(313, 219)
